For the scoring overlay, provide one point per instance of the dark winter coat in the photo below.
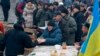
(68, 26)
(52, 37)
(50, 14)
(41, 17)
(79, 18)
(15, 41)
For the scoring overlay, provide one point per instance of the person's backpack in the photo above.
(17, 13)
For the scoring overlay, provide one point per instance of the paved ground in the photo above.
(12, 17)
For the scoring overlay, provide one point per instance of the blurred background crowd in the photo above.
(64, 21)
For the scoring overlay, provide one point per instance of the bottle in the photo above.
(33, 36)
(54, 53)
(64, 45)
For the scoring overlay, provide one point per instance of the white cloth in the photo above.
(45, 51)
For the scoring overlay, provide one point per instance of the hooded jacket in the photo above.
(15, 40)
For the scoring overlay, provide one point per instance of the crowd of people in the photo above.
(67, 21)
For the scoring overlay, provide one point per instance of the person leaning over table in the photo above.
(67, 25)
(15, 40)
(51, 36)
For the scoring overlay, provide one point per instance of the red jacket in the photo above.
(1, 27)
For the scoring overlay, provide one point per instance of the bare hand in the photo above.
(77, 46)
(41, 40)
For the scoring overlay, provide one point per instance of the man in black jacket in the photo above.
(79, 18)
(5, 7)
(15, 40)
